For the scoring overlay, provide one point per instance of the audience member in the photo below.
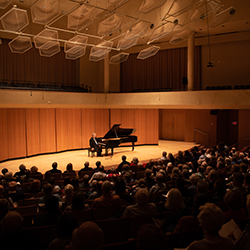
(211, 219)
(142, 206)
(124, 158)
(107, 200)
(86, 168)
(98, 174)
(69, 168)
(88, 237)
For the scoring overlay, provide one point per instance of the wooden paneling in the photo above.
(243, 128)
(128, 118)
(88, 126)
(140, 124)
(173, 125)
(152, 126)
(74, 128)
(4, 149)
(61, 129)
(101, 122)
(203, 121)
(115, 116)
(33, 131)
(47, 130)
(16, 133)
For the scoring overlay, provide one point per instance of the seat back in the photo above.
(104, 214)
(24, 210)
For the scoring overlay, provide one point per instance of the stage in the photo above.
(78, 157)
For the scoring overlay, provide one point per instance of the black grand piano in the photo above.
(116, 136)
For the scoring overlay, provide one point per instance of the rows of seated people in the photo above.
(180, 201)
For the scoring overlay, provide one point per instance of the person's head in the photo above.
(194, 178)
(98, 164)
(159, 178)
(69, 167)
(8, 175)
(220, 186)
(120, 185)
(213, 175)
(151, 237)
(86, 179)
(142, 183)
(12, 186)
(124, 158)
(142, 196)
(54, 165)
(78, 200)
(238, 179)
(52, 204)
(66, 224)
(4, 171)
(235, 168)
(233, 200)
(12, 222)
(22, 167)
(148, 173)
(47, 188)
(106, 187)
(86, 164)
(174, 201)
(68, 190)
(211, 218)
(202, 186)
(135, 160)
(88, 236)
(35, 185)
(33, 170)
(164, 154)
(94, 135)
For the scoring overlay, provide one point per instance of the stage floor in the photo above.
(78, 157)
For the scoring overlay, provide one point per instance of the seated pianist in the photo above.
(95, 145)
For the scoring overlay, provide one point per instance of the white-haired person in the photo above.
(211, 219)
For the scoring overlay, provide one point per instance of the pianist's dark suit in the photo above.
(97, 147)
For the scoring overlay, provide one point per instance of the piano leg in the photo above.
(106, 151)
(133, 146)
(112, 151)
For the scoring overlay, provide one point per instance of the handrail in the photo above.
(202, 132)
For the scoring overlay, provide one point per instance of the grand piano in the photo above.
(116, 136)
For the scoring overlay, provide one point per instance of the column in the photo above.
(190, 64)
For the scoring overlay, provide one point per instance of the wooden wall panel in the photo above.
(128, 118)
(173, 125)
(152, 126)
(204, 121)
(115, 116)
(4, 149)
(74, 128)
(101, 122)
(88, 126)
(47, 130)
(243, 128)
(33, 131)
(140, 124)
(16, 133)
(61, 129)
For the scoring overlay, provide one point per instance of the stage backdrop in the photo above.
(27, 132)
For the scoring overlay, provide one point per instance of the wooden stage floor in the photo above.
(78, 157)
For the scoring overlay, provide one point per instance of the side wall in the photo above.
(30, 131)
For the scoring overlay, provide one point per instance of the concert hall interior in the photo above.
(173, 75)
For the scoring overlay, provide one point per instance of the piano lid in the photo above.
(116, 132)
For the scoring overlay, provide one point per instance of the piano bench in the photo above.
(92, 152)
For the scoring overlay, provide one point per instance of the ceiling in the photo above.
(123, 23)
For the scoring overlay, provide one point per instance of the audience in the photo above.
(192, 179)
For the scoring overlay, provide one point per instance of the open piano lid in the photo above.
(116, 132)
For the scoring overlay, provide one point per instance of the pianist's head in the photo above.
(94, 135)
